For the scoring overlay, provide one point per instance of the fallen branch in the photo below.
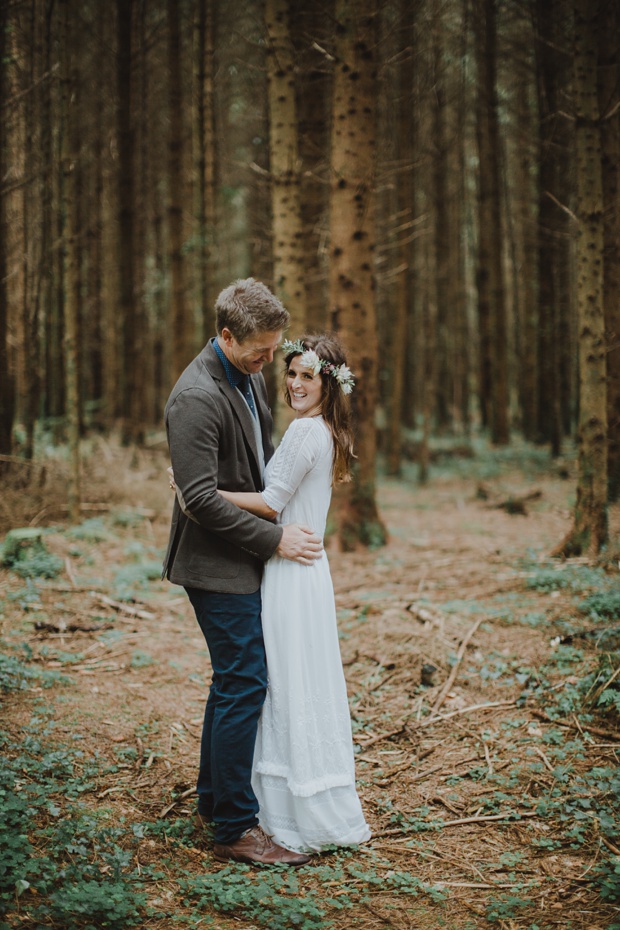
(382, 736)
(485, 818)
(459, 657)
(546, 762)
(124, 608)
(181, 797)
(609, 734)
(610, 846)
(61, 627)
(516, 505)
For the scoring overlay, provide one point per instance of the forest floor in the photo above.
(490, 782)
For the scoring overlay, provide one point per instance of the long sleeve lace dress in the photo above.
(304, 773)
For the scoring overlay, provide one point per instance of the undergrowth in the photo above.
(61, 864)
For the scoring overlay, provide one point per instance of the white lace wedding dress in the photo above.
(304, 774)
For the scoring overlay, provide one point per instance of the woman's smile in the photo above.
(305, 389)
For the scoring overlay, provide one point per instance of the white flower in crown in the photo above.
(344, 377)
(310, 360)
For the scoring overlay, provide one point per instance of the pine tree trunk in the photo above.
(206, 130)
(71, 253)
(310, 25)
(181, 323)
(352, 286)
(526, 283)
(284, 166)
(405, 203)
(609, 81)
(441, 211)
(551, 250)
(589, 532)
(491, 300)
(132, 422)
(7, 393)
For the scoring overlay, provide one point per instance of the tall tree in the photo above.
(284, 172)
(404, 232)
(351, 277)
(491, 297)
(7, 395)
(589, 532)
(70, 154)
(132, 420)
(608, 93)
(181, 321)
(284, 167)
(551, 65)
(207, 161)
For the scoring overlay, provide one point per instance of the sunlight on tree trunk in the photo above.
(589, 532)
(352, 287)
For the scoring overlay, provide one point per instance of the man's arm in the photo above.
(194, 426)
(299, 543)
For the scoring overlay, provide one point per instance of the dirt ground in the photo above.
(444, 632)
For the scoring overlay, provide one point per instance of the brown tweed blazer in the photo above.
(212, 444)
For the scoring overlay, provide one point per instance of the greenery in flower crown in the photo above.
(309, 359)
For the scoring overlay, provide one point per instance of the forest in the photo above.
(437, 182)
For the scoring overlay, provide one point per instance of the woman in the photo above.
(304, 775)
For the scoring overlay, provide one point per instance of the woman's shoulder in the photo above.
(308, 426)
(308, 430)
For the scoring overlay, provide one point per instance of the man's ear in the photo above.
(227, 336)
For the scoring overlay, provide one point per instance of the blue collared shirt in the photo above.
(234, 376)
(237, 379)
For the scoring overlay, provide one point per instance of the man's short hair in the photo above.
(247, 307)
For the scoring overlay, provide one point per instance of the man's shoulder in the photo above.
(199, 379)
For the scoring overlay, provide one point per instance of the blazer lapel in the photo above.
(235, 399)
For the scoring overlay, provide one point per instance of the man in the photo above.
(219, 432)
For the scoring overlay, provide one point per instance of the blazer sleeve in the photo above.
(195, 423)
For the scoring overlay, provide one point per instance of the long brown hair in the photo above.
(334, 403)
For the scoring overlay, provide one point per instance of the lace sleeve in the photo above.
(297, 453)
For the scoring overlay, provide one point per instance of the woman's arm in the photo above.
(251, 501)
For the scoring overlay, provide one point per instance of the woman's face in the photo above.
(305, 389)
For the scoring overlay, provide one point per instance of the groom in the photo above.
(219, 432)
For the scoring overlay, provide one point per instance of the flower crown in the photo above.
(309, 359)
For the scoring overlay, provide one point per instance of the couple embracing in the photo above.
(276, 777)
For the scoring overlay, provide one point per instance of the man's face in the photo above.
(250, 355)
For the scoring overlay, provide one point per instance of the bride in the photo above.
(304, 774)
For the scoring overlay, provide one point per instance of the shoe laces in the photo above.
(262, 835)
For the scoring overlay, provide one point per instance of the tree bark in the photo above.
(288, 272)
(351, 279)
(207, 161)
(181, 322)
(71, 256)
(589, 532)
(404, 182)
(7, 390)
(491, 298)
(608, 86)
(132, 419)
(551, 242)
(284, 170)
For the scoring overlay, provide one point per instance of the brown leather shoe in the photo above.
(256, 847)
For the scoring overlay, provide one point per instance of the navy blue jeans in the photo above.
(231, 625)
